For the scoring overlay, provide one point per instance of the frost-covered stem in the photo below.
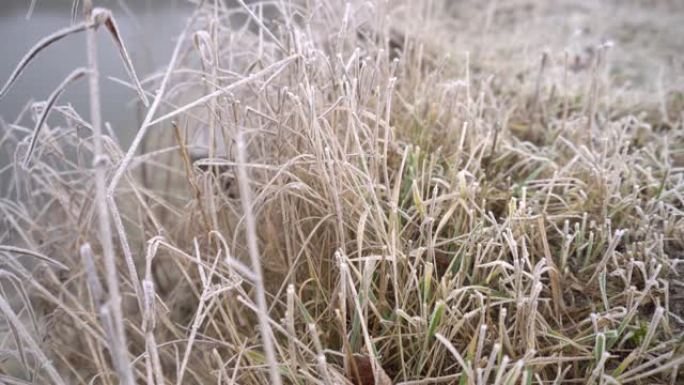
(120, 356)
(246, 198)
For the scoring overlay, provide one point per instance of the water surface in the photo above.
(149, 28)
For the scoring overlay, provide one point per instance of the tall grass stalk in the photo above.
(117, 344)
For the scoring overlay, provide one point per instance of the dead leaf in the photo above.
(360, 372)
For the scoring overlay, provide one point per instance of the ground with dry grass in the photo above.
(407, 192)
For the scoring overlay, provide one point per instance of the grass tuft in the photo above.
(328, 192)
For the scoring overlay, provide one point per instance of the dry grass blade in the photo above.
(18, 325)
(253, 248)
(49, 103)
(104, 16)
(32, 7)
(140, 134)
(467, 370)
(260, 22)
(88, 260)
(224, 90)
(74, 10)
(32, 253)
(38, 47)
